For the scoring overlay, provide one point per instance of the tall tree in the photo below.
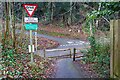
(10, 22)
(70, 17)
(6, 28)
(22, 28)
(13, 24)
(52, 10)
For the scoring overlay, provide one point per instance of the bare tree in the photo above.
(13, 24)
(52, 10)
(6, 28)
(22, 29)
(70, 17)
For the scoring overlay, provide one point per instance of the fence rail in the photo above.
(54, 50)
(51, 50)
(74, 52)
(67, 49)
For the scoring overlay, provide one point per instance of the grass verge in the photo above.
(53, 33)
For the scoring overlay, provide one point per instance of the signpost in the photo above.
(30, 9)
(36, 40)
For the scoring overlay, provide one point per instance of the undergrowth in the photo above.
(99, 56)
(16, 64)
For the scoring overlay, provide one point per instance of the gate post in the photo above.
(70, 53)
(44, 52)
(112, 47)
(74, 51)
(115, 49)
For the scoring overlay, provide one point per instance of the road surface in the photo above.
(64, 43)
(65, 67)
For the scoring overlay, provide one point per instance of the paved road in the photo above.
(65, 66)
(64, 43)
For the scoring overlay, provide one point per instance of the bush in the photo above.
(99, 55)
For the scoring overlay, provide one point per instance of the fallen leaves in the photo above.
(46, 43)
(41, 68)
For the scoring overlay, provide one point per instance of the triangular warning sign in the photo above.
(30, 8)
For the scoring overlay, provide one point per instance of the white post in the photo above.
(31, 45)
(36, 40)
(29, 48)
(33, 49)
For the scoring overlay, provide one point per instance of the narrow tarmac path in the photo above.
(65, 67)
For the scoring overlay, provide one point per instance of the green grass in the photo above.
(53, 33)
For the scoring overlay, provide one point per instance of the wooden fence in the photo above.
(74, 53)
(67, 49)
(54, 50)
(115, 49)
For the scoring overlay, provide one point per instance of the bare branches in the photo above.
(68, 10)
(106, 19)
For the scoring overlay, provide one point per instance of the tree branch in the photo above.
(67, 11)
(106, 19)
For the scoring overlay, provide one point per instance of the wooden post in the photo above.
(31, 45)
(70, 53)
(74, 51)
(115, 49)
(118, 25)
(0, 50)
(44, 53)
(112, 48)
(36, 40)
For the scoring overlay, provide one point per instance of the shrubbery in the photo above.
(99, 56)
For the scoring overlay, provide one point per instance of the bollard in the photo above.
(44, 53)
(70, 53)
(74, 51)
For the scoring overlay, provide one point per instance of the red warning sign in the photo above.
(30, 8)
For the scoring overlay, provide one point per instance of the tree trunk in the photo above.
(70, 17)
(22, 29)
(10, 14)
(6, 29)
(1, 26)
(91, 31)
(13, 24)
(52, 10)
(97, 21)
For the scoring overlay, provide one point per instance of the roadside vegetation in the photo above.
(16, 62)
(98, 56)
(82, 20)
(56, 34)
(16, 66)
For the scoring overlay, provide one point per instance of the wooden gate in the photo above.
(54, 50)
(115, 49)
